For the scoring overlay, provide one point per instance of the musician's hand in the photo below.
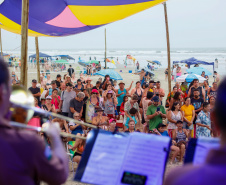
(70, 147)
(52, 130)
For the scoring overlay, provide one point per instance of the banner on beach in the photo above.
(68, 17)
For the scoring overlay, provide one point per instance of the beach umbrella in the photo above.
(154, 62)
(189, 78)
(198, 71)
(109, 65)
(61, 61)
(82, 63)
(113, 74)
(148, 71)
(93, 61)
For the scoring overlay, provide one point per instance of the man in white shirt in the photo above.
(174, 72)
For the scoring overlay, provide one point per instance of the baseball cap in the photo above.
(121, 83)
(49, 98)
(161, 125)
(34, 81)
(111, 120)
(95, 91)
(155, 99)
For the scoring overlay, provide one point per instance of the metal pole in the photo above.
(105, 58)
(168, 47)
(24, 42)
(1, 41)
(37, 59)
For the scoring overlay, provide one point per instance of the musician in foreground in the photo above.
(24, 157)
(214, 169)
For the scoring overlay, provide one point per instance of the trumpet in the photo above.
(40, 129)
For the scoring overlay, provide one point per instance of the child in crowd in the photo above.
(132, 112)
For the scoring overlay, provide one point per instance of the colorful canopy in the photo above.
(61, 61)
(189, 78)
(41, 55)
(67, 17)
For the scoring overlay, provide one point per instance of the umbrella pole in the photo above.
(24, 42)
(1, 41)
(105, 57)
(168, 47)
(37, 59)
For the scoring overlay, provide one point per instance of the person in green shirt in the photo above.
(155, 113)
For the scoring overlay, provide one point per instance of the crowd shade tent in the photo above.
(41, 55)
(194, 61)
(189, 78)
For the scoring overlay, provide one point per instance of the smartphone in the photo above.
(158, 109)
(108, 78)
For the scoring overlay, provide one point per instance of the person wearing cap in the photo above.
(112, 125)
(92, 103)
(66, 96)
(48, 106)
(121, 92)
(97, 87)
(35, 91)
(109, 104)
(155, 113)
(100, 120)
(58, 80)
(214, 167)
(70, 71)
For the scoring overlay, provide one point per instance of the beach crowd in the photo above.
(181, 114)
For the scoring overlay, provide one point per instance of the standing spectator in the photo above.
(159, 90)
(91, 105)
(120, 93)
(55, 100)
(174, 73)
(173, 116)
(203, 122)
(166, 74)
(145, 103)
(73, 79)
(122, 110)
(206, 88)
(105, 82)
(62, 88)
(50, 90)
(116, 87)
(109, 104)
(170, 95)
(97, 87)
(188, 112)
(100, 120)
(213, 90)
(196, 87)
(138, 65)
(138, 91)
(70, 71)
(217, 77)
(197, 102)
(76, 104)
(89, 86)
(175, 98)
(35, 91)
(128, 105)
(155, 113)
(58, 80)
(48, 106)
(66, 96)
(79, 86)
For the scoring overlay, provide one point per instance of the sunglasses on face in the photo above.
(95, 93)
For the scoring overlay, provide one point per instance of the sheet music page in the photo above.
(146, 155)
(106, 159)
(204, 145)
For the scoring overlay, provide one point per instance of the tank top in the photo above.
(109, 107)
(120, 98)
(176, 118)
(139, 96)
(76, 86)
(213, 93)
(192, 91)
(180, 136)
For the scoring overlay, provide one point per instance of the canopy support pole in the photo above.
(24, 42)
(168, 47)
(105, 57)
(1, 41)
(37, 59)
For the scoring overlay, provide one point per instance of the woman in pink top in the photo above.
(55, 100)
(35, 121)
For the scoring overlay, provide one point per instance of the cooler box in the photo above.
(130, 71)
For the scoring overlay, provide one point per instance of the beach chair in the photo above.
(71, 153)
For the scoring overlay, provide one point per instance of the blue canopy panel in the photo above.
(193, 61)
(42, 55)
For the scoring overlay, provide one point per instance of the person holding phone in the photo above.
(155, 113)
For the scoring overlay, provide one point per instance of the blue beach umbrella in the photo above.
(189, 78)
(113, 74)
(198, 71)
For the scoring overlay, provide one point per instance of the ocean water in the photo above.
(142, 55)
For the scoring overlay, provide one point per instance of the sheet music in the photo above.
(204, 145)
(146, 156)
(106, 159)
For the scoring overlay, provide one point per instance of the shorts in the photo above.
(182, 142)
(185, 126)
(118, 109)
(77, 154)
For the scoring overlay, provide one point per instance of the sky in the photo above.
(192, 24)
